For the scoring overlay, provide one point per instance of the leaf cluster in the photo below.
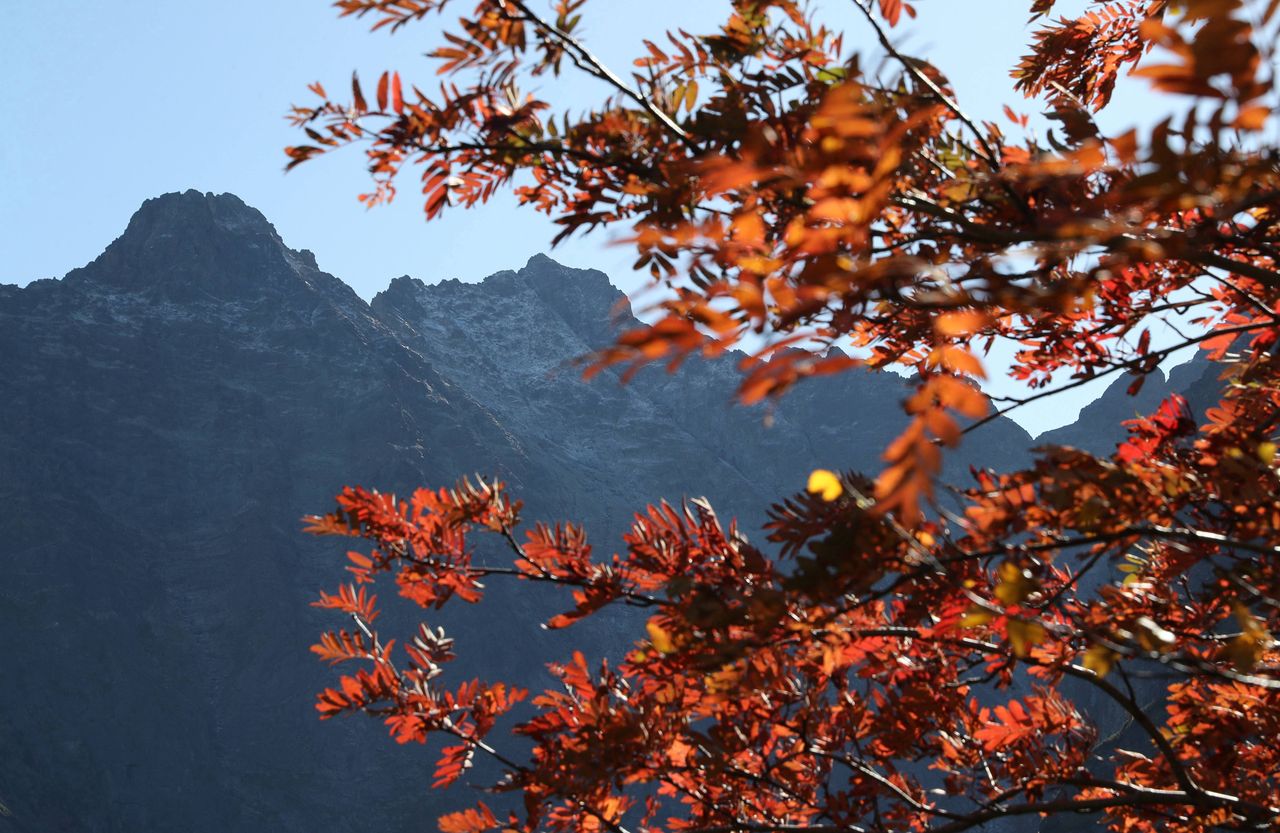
(898, 663)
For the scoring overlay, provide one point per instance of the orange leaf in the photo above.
(397, 99)
(468, 821)
(961, 322)
(891, 10)
(1253, 117)
(957, 360)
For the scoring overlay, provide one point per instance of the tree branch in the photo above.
(988, 154)
(594, 66)
(1126, 365)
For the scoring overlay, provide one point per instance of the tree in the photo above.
(887, 664)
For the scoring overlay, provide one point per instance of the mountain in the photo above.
(1100, 426)
(169, 411)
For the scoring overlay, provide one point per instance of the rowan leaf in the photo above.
(660, 639)
(1024, 635)
(476, 820)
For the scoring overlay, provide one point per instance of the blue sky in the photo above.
(107, 104)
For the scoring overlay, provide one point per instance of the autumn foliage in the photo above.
(884, 662)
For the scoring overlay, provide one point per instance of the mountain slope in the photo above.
(169, 412)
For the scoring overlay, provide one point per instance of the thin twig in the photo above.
(596, 67)
(1126, 365)
(988, 153)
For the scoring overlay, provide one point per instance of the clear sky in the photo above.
(108, 103)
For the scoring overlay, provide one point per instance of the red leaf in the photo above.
(454, 760)
(357, 96)
(397, 100)
(468, 821)
(891, 10)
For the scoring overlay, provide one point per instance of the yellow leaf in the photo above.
(825, 484)
(960, 191)
(961, 322)
(690, 96)
(976, 616)
(1090, 512)
(1152, 637)
(1099, 659)
(1248, 623)
(1023, 635)
(1267, 452)
(661, 639)
(1016, 584)
(1245, 650)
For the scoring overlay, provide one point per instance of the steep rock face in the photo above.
(511, 342)
(169, 411)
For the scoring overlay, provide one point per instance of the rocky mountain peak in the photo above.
(585, 298)
(583, 302)
(194, 245)
(191, 209)
(1100, 425)
(404, 285)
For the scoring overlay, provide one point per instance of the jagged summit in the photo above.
(540, 272)
(184, 209)
(585, 300)
(404, 285)
(199, 245)
(553, 280)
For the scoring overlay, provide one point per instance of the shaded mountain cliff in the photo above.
(170, 410)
